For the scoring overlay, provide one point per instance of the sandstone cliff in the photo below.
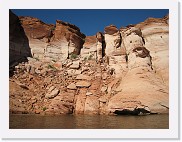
(89, 48)
(118, 71)
(52, 42)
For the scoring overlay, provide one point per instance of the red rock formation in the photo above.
(89, 41)
(35, 28)
(129, 79)
(89, 47)
(153, 21)
(110, 29)
(71, 33)
(52, 41)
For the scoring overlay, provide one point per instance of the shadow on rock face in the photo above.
(19, 48)
(136, 111)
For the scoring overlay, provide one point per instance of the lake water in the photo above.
(89, 122)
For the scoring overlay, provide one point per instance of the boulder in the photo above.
(80, 102)
(104, 89)
(58, 65)
(52, 94)
(72, 86)
(83, 77)
(83, 84)
(91, 105)
(88, 93)
(75, 65)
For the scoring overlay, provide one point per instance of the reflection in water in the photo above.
(89, 122)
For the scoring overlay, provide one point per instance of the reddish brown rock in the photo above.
(35, 28)
(83, 84)
(91, 105)
(72, 86)
(89, 41)
(89, 48)
(70, 33)
(112, 29)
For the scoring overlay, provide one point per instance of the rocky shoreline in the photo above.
(119, 72)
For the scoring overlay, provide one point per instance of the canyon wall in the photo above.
(119, 71)
(52, 42)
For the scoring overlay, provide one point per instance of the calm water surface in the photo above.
(89, 122)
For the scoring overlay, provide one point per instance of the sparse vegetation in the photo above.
(51, 67)
(73, 56)
(44, 108)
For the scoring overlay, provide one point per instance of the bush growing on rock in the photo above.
(51, 67)
(44, 108)
(73, 56)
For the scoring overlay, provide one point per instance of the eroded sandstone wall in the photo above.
(119, 71)
(52, 42)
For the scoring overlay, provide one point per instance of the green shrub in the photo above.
(44, 108)
(73, 56)
(51, 67)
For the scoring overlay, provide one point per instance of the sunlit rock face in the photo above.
(52, 41)
(114, 52)
(36, 29)
(156, 37)
(120, 71)
(145, 85)
(100, 47)
(133, 42)
(18, 42)
(38, 33)
(112, 39)
(89, 49)
(69, 33)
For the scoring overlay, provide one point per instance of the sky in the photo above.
(91, 21)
